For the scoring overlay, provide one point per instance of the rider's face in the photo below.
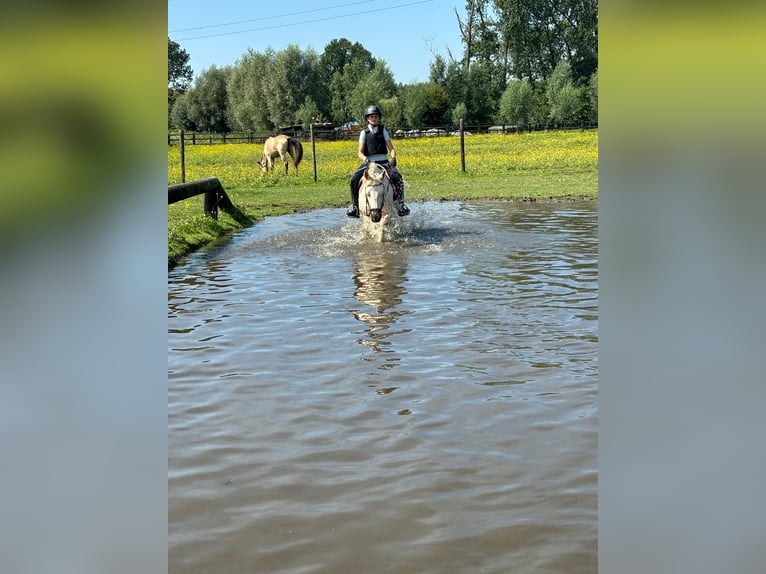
(373, 118)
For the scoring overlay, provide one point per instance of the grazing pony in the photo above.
(280, 146)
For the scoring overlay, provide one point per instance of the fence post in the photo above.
(183, 156)
(462, 146)
(211, 203)
(313, 150)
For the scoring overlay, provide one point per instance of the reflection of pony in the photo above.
(380, 287)
(280, 146)
(376, 201)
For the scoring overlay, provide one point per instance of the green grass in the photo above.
(549, 166)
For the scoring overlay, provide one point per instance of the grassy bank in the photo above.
(525, 167)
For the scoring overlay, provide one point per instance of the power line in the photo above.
(272, 17)
(304, 22)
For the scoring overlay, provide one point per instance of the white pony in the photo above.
(376, 202)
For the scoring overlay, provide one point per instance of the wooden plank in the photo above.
(189, 189)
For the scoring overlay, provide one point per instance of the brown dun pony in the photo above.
(280, 146)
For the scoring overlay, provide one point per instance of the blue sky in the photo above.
(404, 33)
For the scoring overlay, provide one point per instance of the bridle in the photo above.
(373, 196)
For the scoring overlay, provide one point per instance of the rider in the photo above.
(374, 145)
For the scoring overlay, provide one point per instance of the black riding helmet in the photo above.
(369, 110)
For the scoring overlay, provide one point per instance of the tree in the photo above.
(308, 113)
(179, 116)
(209, 102)
(179, 71)
(179, 74)
(437, 112)
(340, 52)
(593, 97)
(455, 86)
(459, 112)
(536, 34)
(569, 105)
(393, 112)
(566, 101)
(516, 103)
(247, 102)
(293, 75)
(482, 92)
(338, 80)
(438, 70)
(371, 88)
(415, 104)
(344, 103)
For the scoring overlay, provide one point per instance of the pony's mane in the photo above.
(376, 173)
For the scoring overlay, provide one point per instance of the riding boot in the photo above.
(353, 209)
(398, 184)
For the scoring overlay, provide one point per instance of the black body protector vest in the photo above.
(375, 142)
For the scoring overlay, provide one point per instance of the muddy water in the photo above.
(423, 406)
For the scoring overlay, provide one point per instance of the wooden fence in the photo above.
(336, 133)
(215, 195)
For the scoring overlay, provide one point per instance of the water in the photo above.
(423, 406)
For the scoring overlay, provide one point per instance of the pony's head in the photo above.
(263, 164)
(375, 184)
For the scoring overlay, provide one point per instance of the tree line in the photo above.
(524, 62)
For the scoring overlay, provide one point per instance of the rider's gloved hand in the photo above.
(393, 162)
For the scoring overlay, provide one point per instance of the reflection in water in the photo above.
(379, 279)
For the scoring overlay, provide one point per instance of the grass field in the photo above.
(561, 165)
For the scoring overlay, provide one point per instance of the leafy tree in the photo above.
(438, 109)
(415, 104)
(393, 112)
(344, 100)
(179, 116)
(438, 70)
(569, 105)
(179, 71)
(526, 38)
(332, 67)
(540, 109)
(516, 103)
(459, 112)
(592, 92)
(308, 113)
(482, 92)
(455, 86)
(340, 52)
(293, 75)
(566, 101)
(248, 110)
(179, 74)
(208, 100)
(371, 88)
(578, 23)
